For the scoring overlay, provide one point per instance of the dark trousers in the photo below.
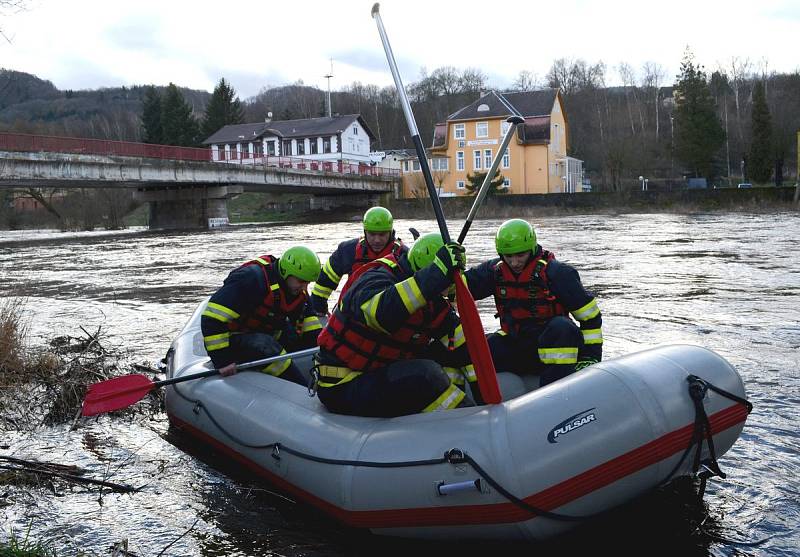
(249, 347)
(401, 388)
(519, 354)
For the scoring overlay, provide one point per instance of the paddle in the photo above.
(514, 121)
(124, 391)
(470, 320)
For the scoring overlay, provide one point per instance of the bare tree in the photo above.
(652, 76)
(526, 81)
(739, 72)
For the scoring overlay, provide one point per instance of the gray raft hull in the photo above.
(577, 447)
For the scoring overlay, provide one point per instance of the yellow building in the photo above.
(536, 160)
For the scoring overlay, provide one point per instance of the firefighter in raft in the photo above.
(377, 351)
(535, 294)
(378, 241)
(263, 310)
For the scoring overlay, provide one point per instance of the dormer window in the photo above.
(483, 108)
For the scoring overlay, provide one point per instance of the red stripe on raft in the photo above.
(497, 513)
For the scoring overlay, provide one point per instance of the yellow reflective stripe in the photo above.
(344, 373)
(311, 324)
(321, 291)
(262, 261)
(220, 313)
(274, 286)
(458, 337)
(328, 270)
(558, 355)
(469, 373)
(593, 336)
(587, 312)
(370, 311)
(501, 332)
(277, 368)
(455, 375)
(447, 400)
(388, 262)
(441, 266)
(410, 294)
(217, 342)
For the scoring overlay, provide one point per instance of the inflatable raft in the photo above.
(528, 468)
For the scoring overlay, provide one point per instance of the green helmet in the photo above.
(424, 250)
(300, 262)
(378, 219)
(515, 236)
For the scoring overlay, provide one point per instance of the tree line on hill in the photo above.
(737, 123)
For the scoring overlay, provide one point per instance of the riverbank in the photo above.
(754, 200)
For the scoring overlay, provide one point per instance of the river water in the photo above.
(728, 282)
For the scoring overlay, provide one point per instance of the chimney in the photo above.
(268, 119)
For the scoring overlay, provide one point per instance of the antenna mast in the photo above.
(328, 77)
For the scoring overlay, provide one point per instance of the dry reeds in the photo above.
(46, 385)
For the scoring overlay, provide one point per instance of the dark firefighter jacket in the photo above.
(565, 290)
(345, 260)
(254, 298)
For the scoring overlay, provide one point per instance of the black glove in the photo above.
(449, 258)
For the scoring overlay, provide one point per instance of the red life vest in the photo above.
(270, 315)
(363, 349)
(525, 299)
(365, 254)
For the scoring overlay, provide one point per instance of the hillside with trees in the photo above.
(655, 125)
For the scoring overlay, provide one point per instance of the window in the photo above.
(232, 151)
(271, 148)
(415, 165)
(245, 150)
(507, 183)
(504, 128)
(258, 149)
(326, 144)
(439, 164)
(482, 129)
(506, 159)
(458, 131)
(405, 166)
(301, 146)
(487, 159)
(313, 146)
(556, 138)
(355, 130)
(460, 184)
(286, 148)
(460, 160)
(476, 160)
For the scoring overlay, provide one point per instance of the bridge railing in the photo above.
(298, 163)
(54, 144)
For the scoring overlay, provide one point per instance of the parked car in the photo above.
(745, 185)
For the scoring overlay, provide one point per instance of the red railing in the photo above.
(49, 143)
(54, 144)
(298, 163)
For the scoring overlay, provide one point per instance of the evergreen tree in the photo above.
(151, 116)
(760, 159)
(224, 108)
(474, 182)
(698, 131)
(178, 125)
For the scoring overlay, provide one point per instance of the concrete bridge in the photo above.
(194, 193)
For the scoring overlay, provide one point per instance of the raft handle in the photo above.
(443, 488)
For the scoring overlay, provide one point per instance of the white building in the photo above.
(339, 138)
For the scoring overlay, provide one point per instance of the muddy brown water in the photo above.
(729, 282)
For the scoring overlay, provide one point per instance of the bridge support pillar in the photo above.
(188, 207)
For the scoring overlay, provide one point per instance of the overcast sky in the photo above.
(88, 44)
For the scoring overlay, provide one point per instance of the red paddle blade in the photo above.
(476, 343)
(116, 393)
